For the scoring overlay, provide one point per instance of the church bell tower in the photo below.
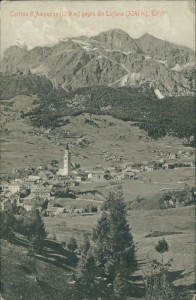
(66, 161)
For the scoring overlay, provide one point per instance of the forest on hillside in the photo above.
(170, 116)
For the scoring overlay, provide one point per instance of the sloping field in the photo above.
(179, 222)
(18, 273)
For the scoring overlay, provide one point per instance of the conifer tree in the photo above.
(85, 277)
(115, 243)
(104, 270)
(72, 245)
(35, 230)
(85, 245)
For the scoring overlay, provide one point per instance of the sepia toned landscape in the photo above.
(98, 169)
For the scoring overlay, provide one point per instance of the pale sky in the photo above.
(177, 25)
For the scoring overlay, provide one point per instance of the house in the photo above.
(14, 188)
(82, 175)
(78, 178)
(51, 211)
(27, 207)
(148, 168)
(119, 176)
(135, 169)
(158, 165)
(68, 209)
(4, 186)
(165, 166)
(78, 211)
(40, 168)
(10, 188)
(41, 192)
(60, 210)
(127, 169)
(112, 170)
(47, 131)
(186, 164)
(45, 175)
(72, 183)
(18, 180)
(7, 194)
(171, 203)
(6, 204)
(172, 156)
(171, 166)
(33, 179)
(96, 176)
(127, 173)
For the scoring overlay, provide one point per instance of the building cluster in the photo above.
(47, 182)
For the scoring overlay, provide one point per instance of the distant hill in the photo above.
(170, 116)
(13, 85)
(126, 103)
(162, 50)
(111, 58)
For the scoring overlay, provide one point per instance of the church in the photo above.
(65, 171)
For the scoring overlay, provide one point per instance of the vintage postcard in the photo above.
(97, 150)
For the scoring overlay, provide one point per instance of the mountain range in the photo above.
(111, 58)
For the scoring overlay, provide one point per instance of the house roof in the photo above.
(52, 209)
(128, 169)
(97, 172)
(33, 177)
(40, 189)
(14, 185)
(60, 209)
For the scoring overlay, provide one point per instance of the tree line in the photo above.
(170, 116)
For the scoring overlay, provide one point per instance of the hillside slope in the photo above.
(18, 272)
(13, 85)
(125, 103)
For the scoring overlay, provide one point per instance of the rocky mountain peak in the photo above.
(117, 39)
(15, 50)
(111, 58)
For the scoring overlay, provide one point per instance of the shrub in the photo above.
(72, 244)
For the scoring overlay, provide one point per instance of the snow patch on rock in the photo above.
(176, 68)
(158, 94)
